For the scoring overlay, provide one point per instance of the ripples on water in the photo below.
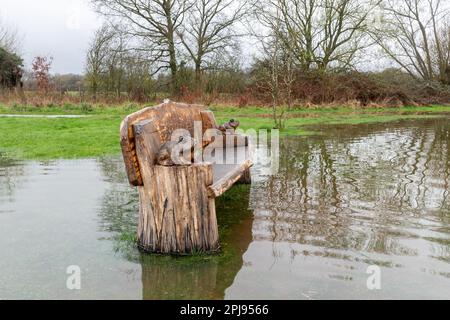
(352, 197)
(357, 196)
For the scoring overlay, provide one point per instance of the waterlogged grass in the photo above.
(98, 134)
(302, 121)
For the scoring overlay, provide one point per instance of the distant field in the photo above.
(98, 134)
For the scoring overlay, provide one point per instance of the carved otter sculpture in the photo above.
(174, 153)
(229, 126)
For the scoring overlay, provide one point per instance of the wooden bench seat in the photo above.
(226, 175)
(177, 206)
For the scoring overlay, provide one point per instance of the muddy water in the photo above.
(351, 198)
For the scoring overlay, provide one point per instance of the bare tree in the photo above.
(115, 62)
(441, 53)
(9, 37)
(344, 34)
(112, 67)
(154, 22)
(413, 35)
(97, 54)
(210, 29)
(275, 71)
(105, 60)
(322, 33)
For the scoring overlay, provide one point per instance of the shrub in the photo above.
(86, 107)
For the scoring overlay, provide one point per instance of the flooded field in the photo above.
(344, 200)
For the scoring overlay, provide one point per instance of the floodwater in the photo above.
(355, 198)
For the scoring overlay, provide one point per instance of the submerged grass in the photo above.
(98, 134)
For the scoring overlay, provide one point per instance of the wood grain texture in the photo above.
(208, 120)
(177, 203)
(226, 182)
(176, 214)
(167, 118)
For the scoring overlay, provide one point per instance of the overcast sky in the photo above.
(63, 29)
(58, 28)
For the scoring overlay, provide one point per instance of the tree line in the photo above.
(11, 63)
(183, 44)
(265, 47)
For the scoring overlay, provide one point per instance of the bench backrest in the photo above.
(156, 125)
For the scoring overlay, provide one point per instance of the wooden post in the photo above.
(246, 177)
(177, 203)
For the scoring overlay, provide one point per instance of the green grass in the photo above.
(69, 108)
(98, 134)
(300, 121)
(29, 138)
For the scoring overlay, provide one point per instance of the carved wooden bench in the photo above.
(177, 203)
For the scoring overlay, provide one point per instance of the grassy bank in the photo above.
(97, 135)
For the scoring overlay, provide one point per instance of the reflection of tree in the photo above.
(12, 173)
(120, 204)
(198, 277)
(355, 187)
(303, 198)
(441, 150)
(119, 210)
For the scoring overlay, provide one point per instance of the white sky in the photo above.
(58, 28)
(63, 29)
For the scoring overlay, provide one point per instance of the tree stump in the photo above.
(177, 203)
(176, 214)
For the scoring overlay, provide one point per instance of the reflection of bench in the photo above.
(177, 206)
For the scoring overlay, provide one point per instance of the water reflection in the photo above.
(49, 222)
(202, 278)
(11, 175)
(361, 195)
(170, 277)
(349, 198)
(359, 189)
(120, 205)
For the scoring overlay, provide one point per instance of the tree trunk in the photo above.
(21, 93)
(198, 76)
(173, 65)
(173, 68)
(176, 214)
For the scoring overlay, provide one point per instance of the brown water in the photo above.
(353, 197)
